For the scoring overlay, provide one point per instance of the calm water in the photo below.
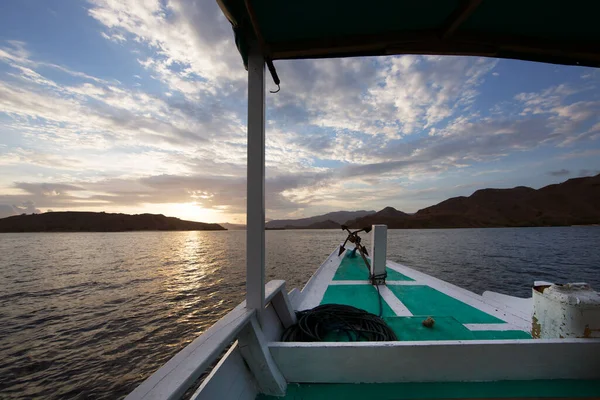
(90, 315)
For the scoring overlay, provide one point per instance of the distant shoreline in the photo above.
(124, 231)
(297, 229)
(319, 230)
(436, 228)
(71, 221)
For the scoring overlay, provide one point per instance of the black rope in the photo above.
(380, 302)
(376, 280)
(330, 321)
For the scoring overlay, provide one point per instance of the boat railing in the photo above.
(184, 370)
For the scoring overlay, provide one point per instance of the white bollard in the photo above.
(378, 253)
(565, 311)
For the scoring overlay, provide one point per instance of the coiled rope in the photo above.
(331, 322)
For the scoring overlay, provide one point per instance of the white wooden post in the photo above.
(255, 211)
(378, 251)
(255, 350)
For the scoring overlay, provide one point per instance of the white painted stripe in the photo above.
(465, 296)
(395, 304)
(397, 283)
(464, 344)
(454, 361)
(405, 283)
(315, 288)
(491, 327)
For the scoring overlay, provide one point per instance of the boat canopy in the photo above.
(551, 31)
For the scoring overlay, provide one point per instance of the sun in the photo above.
(191, 211)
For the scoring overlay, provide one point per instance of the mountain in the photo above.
(72, 221)
(385, 216)
(233, 227)
(338, 217)
(329, 224)
(573, 202)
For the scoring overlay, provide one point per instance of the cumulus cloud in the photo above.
(8, 210)
(189, 39)
(340, 132)
(560, 172)
(589, 172)
(393, 96)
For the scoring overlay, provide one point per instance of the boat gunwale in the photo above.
(314, 290)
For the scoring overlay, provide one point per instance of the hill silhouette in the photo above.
(573, 202)
(71, 221)
(338, 217)
(328, 224)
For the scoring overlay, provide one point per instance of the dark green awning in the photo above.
(552, 31)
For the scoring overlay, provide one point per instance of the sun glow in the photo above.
(192, 212)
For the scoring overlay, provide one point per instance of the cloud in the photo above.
(7, 210)
(100, 114)
(565, 116)
(187, 38)
(16, 54)
(21, 156)
(210, 192)
(589, 172)
(393, 96)
(46, 189)
(560, 172)
(116, 37)
(340, 132)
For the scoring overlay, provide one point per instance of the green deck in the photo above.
(450, 315)
(425, 300)
(364, 297)
(442, 390)
(354, 269)
(421, 300)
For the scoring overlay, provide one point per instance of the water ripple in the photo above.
(91, 315)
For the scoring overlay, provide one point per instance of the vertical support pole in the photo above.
(378, 253)
(255, 350)
(255, 211)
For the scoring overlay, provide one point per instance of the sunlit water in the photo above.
(90, 315)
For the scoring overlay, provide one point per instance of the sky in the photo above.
(139, 106)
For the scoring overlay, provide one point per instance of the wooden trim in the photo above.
(388, 283)
(229, 379)
(394, 302)
(174, 378)
(404, 283)
(255, 210)
(460, 15)
(429, 361)
(504, 313)
(315, 288)
(517, 305)
(255, 27)
(264, 48)
(226, 12)
(253, 347)
(350, 282)
(294, 298)
(272, 289)
(325, 47)
(574, 52)
(491, 327)
(378, 250)
(283, 307)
